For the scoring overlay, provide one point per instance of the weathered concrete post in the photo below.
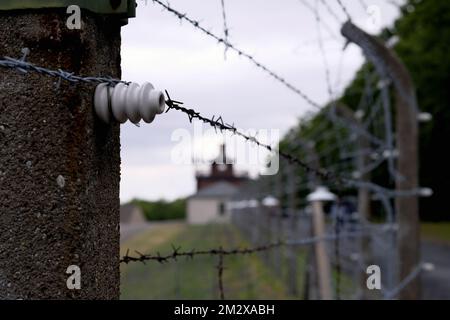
(317, 198)
(59, 164)
(388, 65)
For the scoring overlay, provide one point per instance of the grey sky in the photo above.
(281, 34)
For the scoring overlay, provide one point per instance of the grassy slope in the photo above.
(438, 232)
(244, 277)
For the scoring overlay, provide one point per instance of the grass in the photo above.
(245, 277)
(437, 232)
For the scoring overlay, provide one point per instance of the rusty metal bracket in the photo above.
(122, 8)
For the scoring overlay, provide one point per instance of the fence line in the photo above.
(334, 177)
(176, 253)
(222, 253)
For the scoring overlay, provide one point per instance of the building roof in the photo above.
(219, 189)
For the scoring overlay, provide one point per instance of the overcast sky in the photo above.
(281, 34)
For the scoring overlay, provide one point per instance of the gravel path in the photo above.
(129, 230)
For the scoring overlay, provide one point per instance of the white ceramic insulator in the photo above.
(426, 192)
(424, 117)
(128, 102)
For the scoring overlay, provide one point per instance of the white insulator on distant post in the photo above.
(424, 117)
(428, 266)
(128, 102)
(394, 153)
(392, 41)
(253, 203)
(383, 83)
(359, 114)
(270, 201)
(321, 194)
(426, 192)
(356, 175)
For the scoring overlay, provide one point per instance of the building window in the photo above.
(221, 208)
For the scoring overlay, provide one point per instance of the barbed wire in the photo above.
(330, 31)
(330, 11)
(25, 67)
(363, 4)
(220, 269)
(177, 253)
(391, 294)
(218, 123)
(344, 8)
(322, 52)
(232, 47)
(334, 178)
(225, 27)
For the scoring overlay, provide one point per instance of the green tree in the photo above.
(424, 46)
(162, 210)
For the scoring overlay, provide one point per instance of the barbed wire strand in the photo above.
(344, 9)
(404, 283)
(177, 253)
(326, 26)
(24, 67)
(333, 178)
(330, 11)
(220, 269)
(363, 5)
(249, 57)
(218, 123)
(225, 28)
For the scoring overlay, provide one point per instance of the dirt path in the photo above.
(128, 231)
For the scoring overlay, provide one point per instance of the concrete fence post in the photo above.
(321, 255)
(59, 164)
(389, 66)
